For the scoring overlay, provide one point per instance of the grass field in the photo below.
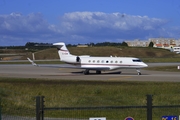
(140, 52)
(145, 53)
(148, 55)
(18, 96)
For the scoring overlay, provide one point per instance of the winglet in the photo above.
(32, 62)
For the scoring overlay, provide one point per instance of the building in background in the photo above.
(166, 43)
(138, 43)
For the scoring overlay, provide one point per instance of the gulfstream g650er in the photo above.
(98, 64)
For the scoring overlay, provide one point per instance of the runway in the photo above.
(29, 71)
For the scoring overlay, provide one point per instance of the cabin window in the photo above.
(107, 61)
(89, 61)
(116, 61)
(98, 61)
(111, 61)
(120, 61)
(93, 61)
(102, 61)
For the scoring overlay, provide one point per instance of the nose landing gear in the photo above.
(138, 71)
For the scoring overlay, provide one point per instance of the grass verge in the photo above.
(157, 60)
(164, 68)
(18, 97)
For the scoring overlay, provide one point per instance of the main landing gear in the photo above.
(98, 72)
(86, 72)
(138, 71)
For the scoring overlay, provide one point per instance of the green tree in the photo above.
(124, 44)
(30, 44)
(151, 44)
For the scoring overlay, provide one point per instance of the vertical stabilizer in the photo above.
(62, 50)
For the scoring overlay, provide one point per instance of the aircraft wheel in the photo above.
(98, 72)
(86, 72)
(139, 73)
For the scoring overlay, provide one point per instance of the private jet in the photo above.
(98, 64)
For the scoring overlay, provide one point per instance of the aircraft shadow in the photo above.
(108, 73)
(93, 73)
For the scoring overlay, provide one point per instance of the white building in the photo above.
(138, 43)
(166, 43)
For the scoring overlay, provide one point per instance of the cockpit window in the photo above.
(136, 60)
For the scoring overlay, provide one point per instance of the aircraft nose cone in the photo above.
(145, 65)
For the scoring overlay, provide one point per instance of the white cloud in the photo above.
(81, 27)
(31, 23)
(113, 21)
(16, 28)
(109, 25)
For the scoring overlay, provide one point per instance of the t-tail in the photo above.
(64, 53)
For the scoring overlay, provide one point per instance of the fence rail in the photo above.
(93, 108)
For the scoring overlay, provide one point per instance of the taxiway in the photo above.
(29, 71)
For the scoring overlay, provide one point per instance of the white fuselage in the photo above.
(98, 63)
(105, 62)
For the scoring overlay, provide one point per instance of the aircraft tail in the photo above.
(62, 50)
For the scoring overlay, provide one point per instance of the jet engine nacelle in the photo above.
(72, 59)
(78, 58)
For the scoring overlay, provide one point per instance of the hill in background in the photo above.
(51, 53)
(140, 52)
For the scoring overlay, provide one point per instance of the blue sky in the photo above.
(86, 21)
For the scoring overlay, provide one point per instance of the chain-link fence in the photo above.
(40, 109)
(139, 112)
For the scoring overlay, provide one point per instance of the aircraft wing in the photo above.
(51, 66)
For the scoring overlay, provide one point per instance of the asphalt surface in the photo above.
(52, 72)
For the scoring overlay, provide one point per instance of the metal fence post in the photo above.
(37, 107)
(0, 109)
(42, 107)
(149, 107)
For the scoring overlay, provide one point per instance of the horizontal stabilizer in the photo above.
(32, 62)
